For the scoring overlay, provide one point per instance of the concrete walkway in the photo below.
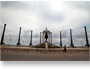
(8, 55)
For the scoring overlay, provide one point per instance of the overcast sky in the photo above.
(36, 15)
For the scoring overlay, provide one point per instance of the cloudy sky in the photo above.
(37, 15)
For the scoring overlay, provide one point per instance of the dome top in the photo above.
(46, 31)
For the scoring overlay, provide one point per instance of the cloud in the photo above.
(53, 16)
(16, 5)
(36, 16)
(79, 33)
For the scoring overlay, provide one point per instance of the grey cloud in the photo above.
(36, 35)
(63, 34)
(27, 34)
(27, 31)
(56, 35)
(10, 38)
(78, 41)
(1, 27)
(14, 4)
(84, 5)
(79, 34)
(53, 17)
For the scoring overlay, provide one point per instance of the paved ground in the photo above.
(7, 55)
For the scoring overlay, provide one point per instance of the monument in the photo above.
(31, 39)
(46, 40)
(2, 39)
(71, 39)
(47, 34)
(19, 37)
(46, 31)
(87, 43)
(60, 39)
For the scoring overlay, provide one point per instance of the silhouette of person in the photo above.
(46, 36)
(64, 48)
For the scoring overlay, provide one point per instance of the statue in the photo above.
(46, 36)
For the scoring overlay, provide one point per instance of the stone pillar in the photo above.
(43, 37)
(71, 39)
(31, 38)
(87, 43)
(19, 37)
(60, 39)
(51, 37)
(2, 39)
(40, 37)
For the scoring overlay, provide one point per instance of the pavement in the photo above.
(10, 55)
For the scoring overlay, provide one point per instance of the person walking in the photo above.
(64, 48)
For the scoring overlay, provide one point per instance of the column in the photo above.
(87, 43)
(60, 39)
(51, 37)
(44, 37)
(31, 38)
(19, 37)
(71, 39)
(2, 39)
(40, 37)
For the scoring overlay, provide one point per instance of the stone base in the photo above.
(61, 46)
(72, 46)
(87, 45)
(46, 45)
(2, 43)
(30, 46)
(69, 46)
(18, 44)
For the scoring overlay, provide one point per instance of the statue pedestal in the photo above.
(30, 46)
(46, 45)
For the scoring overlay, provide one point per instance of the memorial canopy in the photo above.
(46, 31)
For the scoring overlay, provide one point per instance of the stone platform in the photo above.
(3, 47)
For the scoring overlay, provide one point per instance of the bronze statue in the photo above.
(46, 36)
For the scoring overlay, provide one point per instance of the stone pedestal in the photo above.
(46, 45)
(30, 46)
(18, 45)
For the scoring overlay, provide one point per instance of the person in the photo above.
(64, 48)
